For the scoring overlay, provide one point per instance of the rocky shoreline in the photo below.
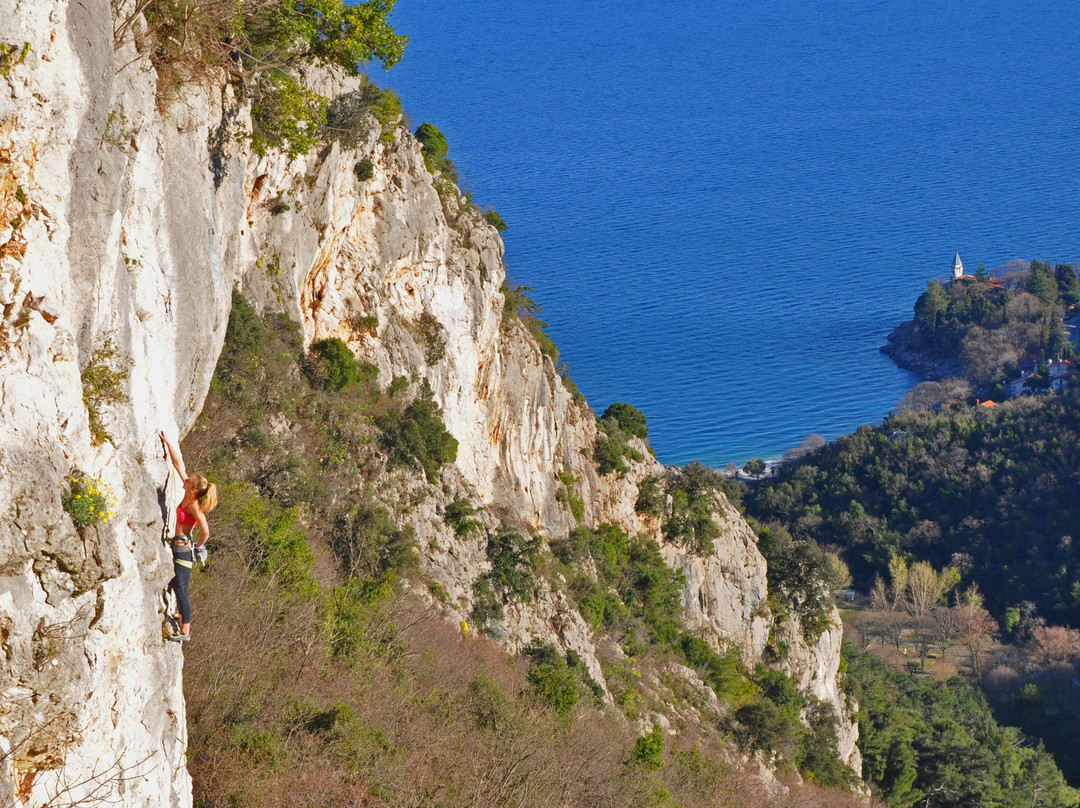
(901, 348)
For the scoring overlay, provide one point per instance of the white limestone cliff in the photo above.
(123, 224)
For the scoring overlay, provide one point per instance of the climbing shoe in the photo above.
(179, 637)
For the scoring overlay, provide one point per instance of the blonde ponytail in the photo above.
(208, 501)
(206, 493)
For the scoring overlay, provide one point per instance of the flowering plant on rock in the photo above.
(88, 501)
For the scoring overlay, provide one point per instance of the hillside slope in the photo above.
(125, 231)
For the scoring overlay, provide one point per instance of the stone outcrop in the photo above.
(123, 226)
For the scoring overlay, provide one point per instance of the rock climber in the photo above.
(200, 497)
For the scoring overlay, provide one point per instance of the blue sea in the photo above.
(724, 207)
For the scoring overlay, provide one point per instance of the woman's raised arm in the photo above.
(174, 455)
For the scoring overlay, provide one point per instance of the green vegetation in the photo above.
(370, 543)
(649, 749)
(801, 577)
(638, 598)
(936, 743)
(332, 363)
(619, 423)
(12, 55)
(103, 381)
(513, 560)
(436, 157)
(417, 434)
(286, 115)
(88, 501)
(988, 491)
(364, 170)
(992, 326)
(459, 515)
(348, 116)
(569, 495)
(559, 681)
(518, 304)
(493, 218)
(684, 500)
(264, 46)
(629, 419)
(612, 448)
(316, 672)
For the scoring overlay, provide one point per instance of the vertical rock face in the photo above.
(113, 232)
(125, 227)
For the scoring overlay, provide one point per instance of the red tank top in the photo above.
(183, 518)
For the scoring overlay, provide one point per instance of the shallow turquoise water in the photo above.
(723, 208)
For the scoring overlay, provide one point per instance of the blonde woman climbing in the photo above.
(200, 497)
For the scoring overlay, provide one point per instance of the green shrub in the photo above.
(268, 537)
(103, 381)
(370, 544)
(599, 607)
(571, 385)
(552, 679)
(354, 744)
(612, 449)
(290, 480)
(560, 681)
(433, 337)
(246, 340)
(693, 494)
(817, 758)
(285, 115)
(760, 724)
(513, 558)
(652, 498)
(517, 303)
(459, 515)
(88, 501)
(487, 608)
(797, 573)
(629, 418)
(568, 494)
(418, 435)
(436, 157)
(364, 170)
(573, 547)
(333, 364)
(487, 703)
(432, 141)
(724, 673)
(354, 621)
(348, 116)
(387, 111)
(634, 581)
(649, 750)
(493, 218)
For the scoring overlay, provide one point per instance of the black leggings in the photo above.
(182, 578)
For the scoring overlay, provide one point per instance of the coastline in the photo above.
(900, 349)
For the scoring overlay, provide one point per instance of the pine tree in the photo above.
(1068, 284)
(1042, 283)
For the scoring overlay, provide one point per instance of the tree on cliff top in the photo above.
(261, 44)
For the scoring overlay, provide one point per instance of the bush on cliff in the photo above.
(417, 434)
(262, 46)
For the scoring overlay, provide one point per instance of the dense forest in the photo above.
(929, 742)
(938, 515)
(990, 327)
(989, 491)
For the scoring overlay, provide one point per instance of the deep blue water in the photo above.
(724, 207)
